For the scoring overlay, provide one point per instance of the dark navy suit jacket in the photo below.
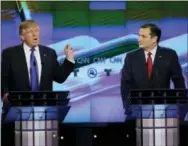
(14, 72)
(166, 67)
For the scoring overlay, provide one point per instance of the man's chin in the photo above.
(141, 46)
(35, 44)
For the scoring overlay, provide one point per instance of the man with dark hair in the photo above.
(151, 66)
(154, 30)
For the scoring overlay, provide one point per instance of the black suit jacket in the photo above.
(14, 72)
(166, 67)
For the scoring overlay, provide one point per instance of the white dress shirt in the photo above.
(153, 51)
(37, 56)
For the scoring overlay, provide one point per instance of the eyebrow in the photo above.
(141, 35)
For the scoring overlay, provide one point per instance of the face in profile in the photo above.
(146, 41)
(30, 35)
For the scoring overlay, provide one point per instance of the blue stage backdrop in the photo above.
(101, 34)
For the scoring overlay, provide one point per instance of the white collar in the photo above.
(27, 48)
(153, 51)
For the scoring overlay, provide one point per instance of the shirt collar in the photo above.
(153, 51)
(27, 48)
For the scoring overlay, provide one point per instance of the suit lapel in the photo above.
(23, 64)
(143, 65)
(43, 60)
(157, 62)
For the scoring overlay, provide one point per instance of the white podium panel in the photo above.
(157, 125)
(154, 132)
(36, 133)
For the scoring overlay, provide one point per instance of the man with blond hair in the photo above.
(31, 67)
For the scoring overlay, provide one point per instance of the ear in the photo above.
(22, 37)
(154, 39)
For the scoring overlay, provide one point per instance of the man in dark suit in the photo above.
(150, 66)
(19, 67)
(30, 66)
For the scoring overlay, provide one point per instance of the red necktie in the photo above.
(149, 65)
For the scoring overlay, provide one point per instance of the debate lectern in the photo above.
(37, 116)
(158, 115)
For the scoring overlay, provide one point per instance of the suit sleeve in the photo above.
(62, 71)
(176, 72)
(5, 69)
(126, 81)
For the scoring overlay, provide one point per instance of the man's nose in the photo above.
(34, 34)
(139, 39)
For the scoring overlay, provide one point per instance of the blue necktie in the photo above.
(33, 71)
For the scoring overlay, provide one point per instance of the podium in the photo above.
(158, 115)
(36, 116)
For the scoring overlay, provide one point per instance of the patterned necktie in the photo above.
(33, 71)
(149, 65)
